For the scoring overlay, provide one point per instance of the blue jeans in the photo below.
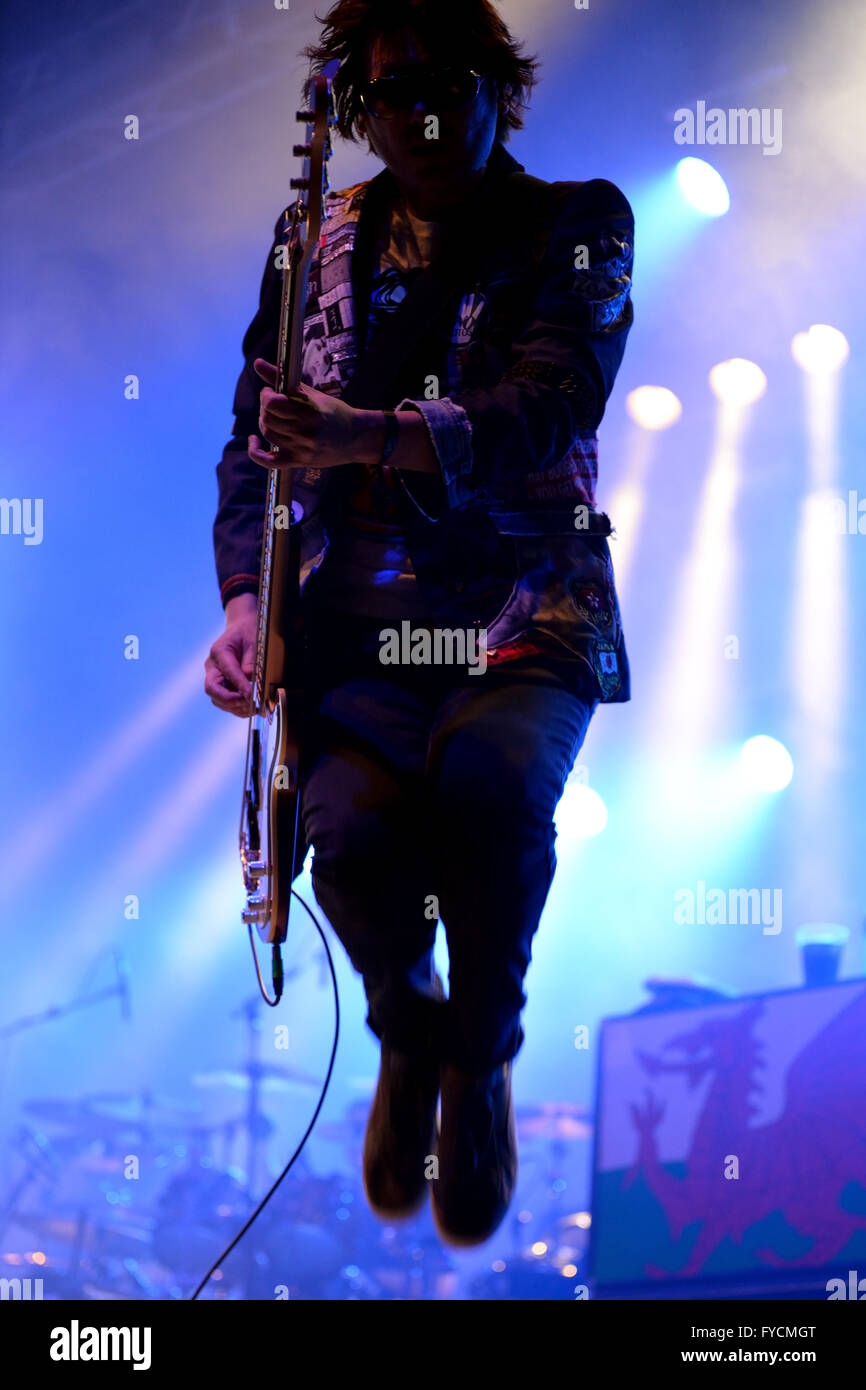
(428, 792)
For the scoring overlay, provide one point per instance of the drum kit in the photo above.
(129, 1196)
(132, 1195)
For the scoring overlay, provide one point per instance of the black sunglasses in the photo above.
(445, 89)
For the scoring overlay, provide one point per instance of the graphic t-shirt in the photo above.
(367, 570)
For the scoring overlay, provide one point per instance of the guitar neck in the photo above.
(280, 588)
(279, 584)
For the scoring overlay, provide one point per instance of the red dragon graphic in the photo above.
(815, 1148)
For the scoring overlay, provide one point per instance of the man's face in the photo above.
(436, 169)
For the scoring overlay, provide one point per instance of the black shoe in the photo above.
(401, 1133)
(477, 1155)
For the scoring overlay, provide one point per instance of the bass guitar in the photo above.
(271, 794)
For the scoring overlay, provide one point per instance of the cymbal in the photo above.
(145, 1098)
(267, 1075)
(100, 1122)
(553, 1119)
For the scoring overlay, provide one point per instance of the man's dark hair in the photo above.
(463, 31)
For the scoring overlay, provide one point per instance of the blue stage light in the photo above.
(703, 187)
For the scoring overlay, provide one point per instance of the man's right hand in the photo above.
(229, 667)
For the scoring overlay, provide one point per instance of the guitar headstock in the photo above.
(315, 152)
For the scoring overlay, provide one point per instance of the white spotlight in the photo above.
(820, 351)
(653, 407)
(703, 187)
(737, 381)
(766, 764)
(581, 813)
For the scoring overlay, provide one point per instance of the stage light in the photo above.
(820, 351)
(653, 407)
(766, 764)
(581, 813)
(703, 187)
(64, 811)
(737, 381)
(690, 697)
(820, 669)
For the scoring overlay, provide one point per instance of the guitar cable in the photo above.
(277, 970)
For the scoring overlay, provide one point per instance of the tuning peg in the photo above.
(299, 183)
(302, 151)
(256, 909)
(305, 115)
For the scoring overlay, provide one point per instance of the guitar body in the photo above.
(276, 753)
(270, 811)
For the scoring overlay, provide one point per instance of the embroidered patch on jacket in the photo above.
(333, 319)
(604, 285)
(572, 384)
(317, 367)
(469, 317)
(606, 667)
(591, 605)
(573, 477)
(521, 646)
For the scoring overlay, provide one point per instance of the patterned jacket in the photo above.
(509, 537)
